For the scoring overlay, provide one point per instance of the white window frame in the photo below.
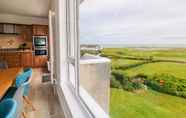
(73, 105)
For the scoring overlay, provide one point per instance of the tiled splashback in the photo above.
(12, 41)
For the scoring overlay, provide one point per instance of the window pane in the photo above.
(146, 42)
(94, 79)
(94, 70)
(72, 74)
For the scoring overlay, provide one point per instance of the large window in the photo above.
(89, 77)
(146, 41)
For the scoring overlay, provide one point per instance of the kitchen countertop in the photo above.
(16, 50)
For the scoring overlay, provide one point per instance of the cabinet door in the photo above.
(27, 59)
(40, 30)
(1, 28)
(12, 59)
(40, 61)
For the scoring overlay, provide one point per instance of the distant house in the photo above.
(92, 47)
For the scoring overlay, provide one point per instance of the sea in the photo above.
(143, 45)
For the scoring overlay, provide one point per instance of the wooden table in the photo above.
(7, 78)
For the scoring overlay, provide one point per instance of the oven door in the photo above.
(39, 52)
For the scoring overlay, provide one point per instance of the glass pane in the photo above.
(72, 74)
(146, 42)
(94, 80)
(94, 77)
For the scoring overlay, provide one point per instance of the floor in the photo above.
(43, 99)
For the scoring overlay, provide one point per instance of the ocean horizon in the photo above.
(143, 45)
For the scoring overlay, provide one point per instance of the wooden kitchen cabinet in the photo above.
(17, 59)
(25, 32)
(40, 61)
(1, 28)
(40, 30)
(12, 59)
(27, 59)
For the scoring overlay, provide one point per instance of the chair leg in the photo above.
(23, 114)
(27, 100)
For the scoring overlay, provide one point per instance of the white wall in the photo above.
(18, 19)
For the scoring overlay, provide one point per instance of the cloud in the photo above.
(133, 21)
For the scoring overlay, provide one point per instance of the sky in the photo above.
(133, 22)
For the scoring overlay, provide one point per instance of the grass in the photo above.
(120, 62)
(177, 54)
(150, 104)
(176, 69)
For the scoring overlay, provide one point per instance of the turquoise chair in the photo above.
(22, 81)
(8, 108)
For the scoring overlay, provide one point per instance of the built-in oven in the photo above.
(40, 41)
(40, 52)
(40, 45)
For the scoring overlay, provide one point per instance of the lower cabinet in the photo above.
(40, 61)
(23, 59)
(12, 59)
(27, 59)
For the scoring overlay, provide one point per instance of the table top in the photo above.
(7, 78)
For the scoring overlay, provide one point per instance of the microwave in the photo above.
(40, 41)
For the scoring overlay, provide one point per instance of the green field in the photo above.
(176, 69)
(146, 105)
(149, 62)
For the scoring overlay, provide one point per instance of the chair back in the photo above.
(8, 108)
(24, 80)
(18, 96)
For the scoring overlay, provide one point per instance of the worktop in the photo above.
(22, 58)
(15, 50)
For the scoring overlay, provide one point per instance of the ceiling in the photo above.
(35, 8)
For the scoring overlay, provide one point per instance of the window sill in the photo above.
(70, 104)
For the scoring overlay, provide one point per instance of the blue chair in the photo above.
(22, 81)
(8, 108)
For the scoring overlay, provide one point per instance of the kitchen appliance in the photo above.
(40, 45)
(41, 52)
(40, 41)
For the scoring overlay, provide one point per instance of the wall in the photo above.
(12, 41)
(18, 19)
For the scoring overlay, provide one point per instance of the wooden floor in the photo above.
(43, 98)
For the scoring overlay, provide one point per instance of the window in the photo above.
(77, 73)
(72, 53)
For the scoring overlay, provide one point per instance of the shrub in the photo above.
(118, 75)
(115, 83)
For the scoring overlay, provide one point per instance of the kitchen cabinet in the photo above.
(40, 30)
(27, 59)
(40, 61)
(25, 32)
(1, 28)
(17, 58)
(12, 59)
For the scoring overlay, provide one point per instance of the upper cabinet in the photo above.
(25, 32)
(6, 28)
(40, 30)
(1, 28)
